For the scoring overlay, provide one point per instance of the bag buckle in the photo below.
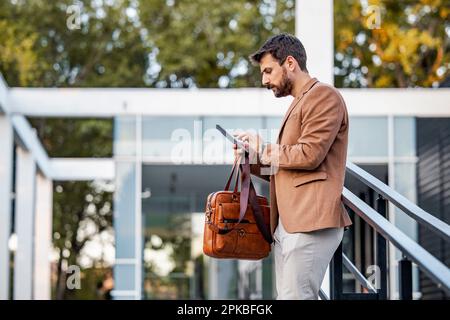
(208, 214)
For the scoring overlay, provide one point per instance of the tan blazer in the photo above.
(311, 151)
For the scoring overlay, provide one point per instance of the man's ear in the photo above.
(291, 63)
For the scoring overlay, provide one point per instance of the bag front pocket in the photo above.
(225, 243)
(251, 244)
(229, 213)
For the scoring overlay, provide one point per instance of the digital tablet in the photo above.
(230, 137)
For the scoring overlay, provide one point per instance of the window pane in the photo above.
(216, 148)
(170, 137)
(405, 184)
(405, 136)
(273, 125)
(405, 180)
(124, 210)
(368, 137)
(180, 189)
(124, 277)
(125, 136)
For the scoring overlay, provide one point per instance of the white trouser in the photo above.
(301, 260)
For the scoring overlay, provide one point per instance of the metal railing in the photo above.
(385, 231)
(421, 216)
(357, 274)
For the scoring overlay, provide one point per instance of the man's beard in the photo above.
(285, 87)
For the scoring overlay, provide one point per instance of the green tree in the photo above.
(206, 43)
(17, 56)
(106, 51)
(409, 48)
(81, 211)
(146, 43)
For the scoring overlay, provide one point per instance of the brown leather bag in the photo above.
(237, 223)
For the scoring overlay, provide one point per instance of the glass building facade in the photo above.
(167, 165)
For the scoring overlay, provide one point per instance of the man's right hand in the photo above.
(237, 151)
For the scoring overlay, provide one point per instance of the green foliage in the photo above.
(17, 56)
(142, 43)
(106, 51)
(81, 210)
(205, 43)
(175, 235)
(88, 290)
(196, 43)
(409, 49)
(75, 137)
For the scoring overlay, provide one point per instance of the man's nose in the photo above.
(265, 81)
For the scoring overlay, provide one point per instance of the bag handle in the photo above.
(244, 194)
(227, 186)
(247, 195)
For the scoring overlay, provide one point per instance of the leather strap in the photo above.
(257, 211)
(227, 186)
(259, 216)
(247, 195)
(244, 195)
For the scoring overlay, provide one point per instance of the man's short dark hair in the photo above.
(280, 47)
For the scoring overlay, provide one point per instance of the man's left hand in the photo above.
(252, 141)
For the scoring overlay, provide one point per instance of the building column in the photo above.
(6, 168)
(127, 209)
(24, 224)
(320, 54)
(43, 238)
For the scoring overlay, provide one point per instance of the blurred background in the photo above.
(102, 86)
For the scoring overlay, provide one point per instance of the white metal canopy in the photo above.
(111, 102)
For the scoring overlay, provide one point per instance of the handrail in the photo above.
(358, 275)
(415, 212)
(434, 268)
(323, 295)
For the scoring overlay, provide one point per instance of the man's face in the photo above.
(275, 77)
